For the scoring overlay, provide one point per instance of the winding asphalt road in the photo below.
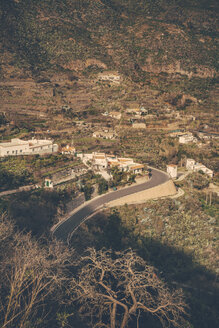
(64, 228)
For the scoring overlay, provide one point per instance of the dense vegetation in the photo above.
(176, 236)
(44, 284)
(10, 180)
(41, 206)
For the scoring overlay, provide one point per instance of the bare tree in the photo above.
(113, 288)
(6, 231)
(29, 275)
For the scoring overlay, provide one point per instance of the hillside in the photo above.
(120, 87)
(170, 45)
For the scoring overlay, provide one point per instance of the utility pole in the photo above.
(210, 198)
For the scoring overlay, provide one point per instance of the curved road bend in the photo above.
(66, 227)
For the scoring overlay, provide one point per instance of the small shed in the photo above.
(48, 183)
(172, 170)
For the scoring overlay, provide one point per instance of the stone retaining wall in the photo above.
(163, 190)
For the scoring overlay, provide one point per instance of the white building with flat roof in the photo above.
(110, 76)
(200, 167)
(99, 161)
(102, 161)
(104, 135)
(192, 165)
(136, 168)
(18, 147)
(116, 115)
(187, 138)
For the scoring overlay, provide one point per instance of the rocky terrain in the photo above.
(52, 52)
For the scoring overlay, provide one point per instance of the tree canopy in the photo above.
(114, 288)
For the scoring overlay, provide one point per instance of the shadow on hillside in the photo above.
(175, 267)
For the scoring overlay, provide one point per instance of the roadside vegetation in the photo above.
(44, 283)
(24, 170)
(178, 236)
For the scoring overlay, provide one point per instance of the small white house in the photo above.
(198, 167)
(116, 115)
(68, 150)
(110, 76)
(190, 163)
(204, 169)
(136, 168)
(48, 183)
(104, 135)
(187, 138)
(99, 161)
(172, 170)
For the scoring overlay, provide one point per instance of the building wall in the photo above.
(110, 77)
(139, 125)
(23, 148)
(187, 138)
(13, 150)
(102, 163)
(172, 171)
(46, 149)
(190, 164)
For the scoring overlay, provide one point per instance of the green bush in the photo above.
(102, 186)
(88, 190)
(36, 211)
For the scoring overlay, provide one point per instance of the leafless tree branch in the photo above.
(117, 287)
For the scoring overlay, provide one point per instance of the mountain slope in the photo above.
(146, 36)
(170, 46)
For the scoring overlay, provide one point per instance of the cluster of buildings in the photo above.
(102, 161)
(18, 147)
(187, 138)
(208, 136)
(114, 114)
(191, 165)
(136, 110)
(138, 113)
(194, 166)
(68, 150)
(64, 176)
(106, 134)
